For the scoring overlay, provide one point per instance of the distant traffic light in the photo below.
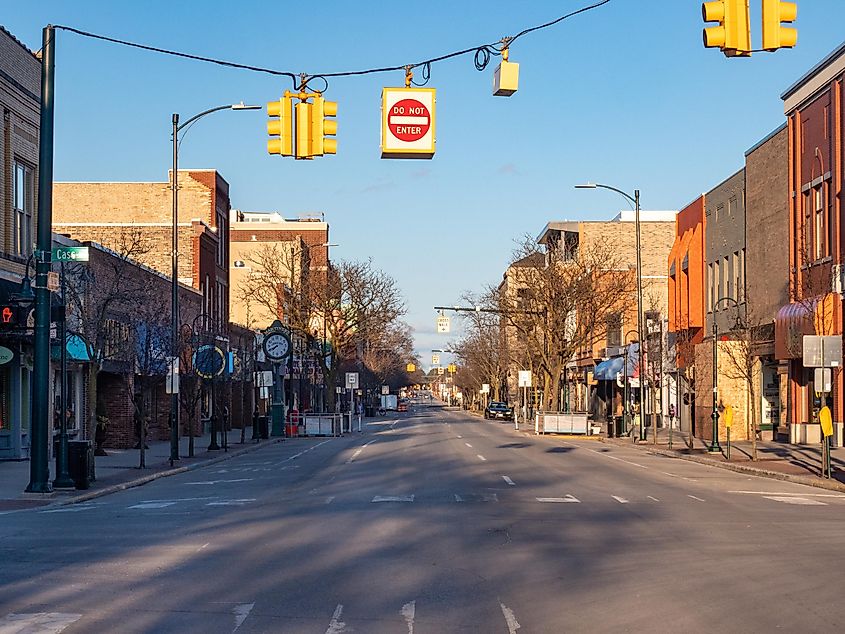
(733, 34)
(321, 127)
(280, 126)
(776, 36)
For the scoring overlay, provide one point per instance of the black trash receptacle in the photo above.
(369, 411)
(264, 427)
(80, 462)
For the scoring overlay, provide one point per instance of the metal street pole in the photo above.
(63, 479)
(174, 299)
(640, 311)
(714, 443)
(39, 467)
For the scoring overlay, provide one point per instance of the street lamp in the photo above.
(174, 272)
(636, 200)
(714, 443)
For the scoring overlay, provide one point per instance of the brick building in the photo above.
(657, 230)
(20, 97)
(767, 272)
(686, 298)
(816, 168)
(108, 212)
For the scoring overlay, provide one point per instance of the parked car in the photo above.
(497, 410)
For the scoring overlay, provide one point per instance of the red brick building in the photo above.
(814, 110)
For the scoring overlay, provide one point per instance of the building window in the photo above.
(819, 224)
(710, 283)
(614, 330)
(24, 204)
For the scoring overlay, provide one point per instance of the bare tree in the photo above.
(336, 310)
(557, 303)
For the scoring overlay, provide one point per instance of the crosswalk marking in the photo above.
(336, 626)
(241, 611)
(468, 445)
(480, 457)
(409, 611)
(74, 508)
(510, 619)
(509, 481)
(238, 502)
(695, 498)
(651, 497)
(151, 505)
(393, 498)
(564, 500)
(794, 500)
(621, 500)
(40, 622)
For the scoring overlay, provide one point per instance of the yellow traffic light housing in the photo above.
(280, 126)
(303, 127)
(321, 127)
(733, 34)
(776, 36)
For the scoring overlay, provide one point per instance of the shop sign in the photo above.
(6, 355)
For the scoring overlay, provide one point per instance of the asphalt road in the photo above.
(432, 522)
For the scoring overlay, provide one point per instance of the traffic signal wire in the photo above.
(482, 53)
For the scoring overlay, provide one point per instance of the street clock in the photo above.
(276, 345)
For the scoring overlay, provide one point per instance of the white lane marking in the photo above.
(238, 502)
(302, 453)
(794, 500)
(37, 622)
(336, 626)
(367, 444)
(458, 498)
(513, 624)
(569, 498)
(460, 436)
(651, 497)
(211, 482)
(329, 499)
(480, 457)
(468, 445)
(601, 453)
(695, 498)
(355, 455)
(408, 611)
(393, 424)
(509, 481)
(802, 494)
(74, 508)
(241, 612)
(673, 475)
(205, 497)
(149, 505)
(393, 498)
(204, 546)
(621, 500)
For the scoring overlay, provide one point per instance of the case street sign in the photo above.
(70, 254)
(407, 123)
(822, 351)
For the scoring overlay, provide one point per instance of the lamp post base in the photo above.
(714, 448)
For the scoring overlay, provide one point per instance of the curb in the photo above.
(114, 488)
(819, 483)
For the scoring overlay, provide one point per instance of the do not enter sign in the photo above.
(408, 120)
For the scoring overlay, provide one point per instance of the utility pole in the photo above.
(39, 467)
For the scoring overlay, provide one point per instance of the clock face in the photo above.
(276, 345)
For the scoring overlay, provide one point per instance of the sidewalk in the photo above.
(119, 470)
(782, 461)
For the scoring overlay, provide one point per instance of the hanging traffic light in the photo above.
(733, 34)
(280, 126)
(303, 126)
(776, 36)
(321, 127)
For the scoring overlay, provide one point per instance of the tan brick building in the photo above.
(108, 212)
(304, 242)
(20, 97)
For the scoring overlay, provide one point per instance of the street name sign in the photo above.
(70, 254)
(407, 123)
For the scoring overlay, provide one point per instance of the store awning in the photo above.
(76, 350)
(611, 369)
(810, 317)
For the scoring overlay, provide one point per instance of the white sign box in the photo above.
(525, 378)
(407, 123)
(443, 324)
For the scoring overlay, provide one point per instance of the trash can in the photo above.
(264, 427)
(80, 462)
(369, 411)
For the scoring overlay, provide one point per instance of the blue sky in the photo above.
(624, 95)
